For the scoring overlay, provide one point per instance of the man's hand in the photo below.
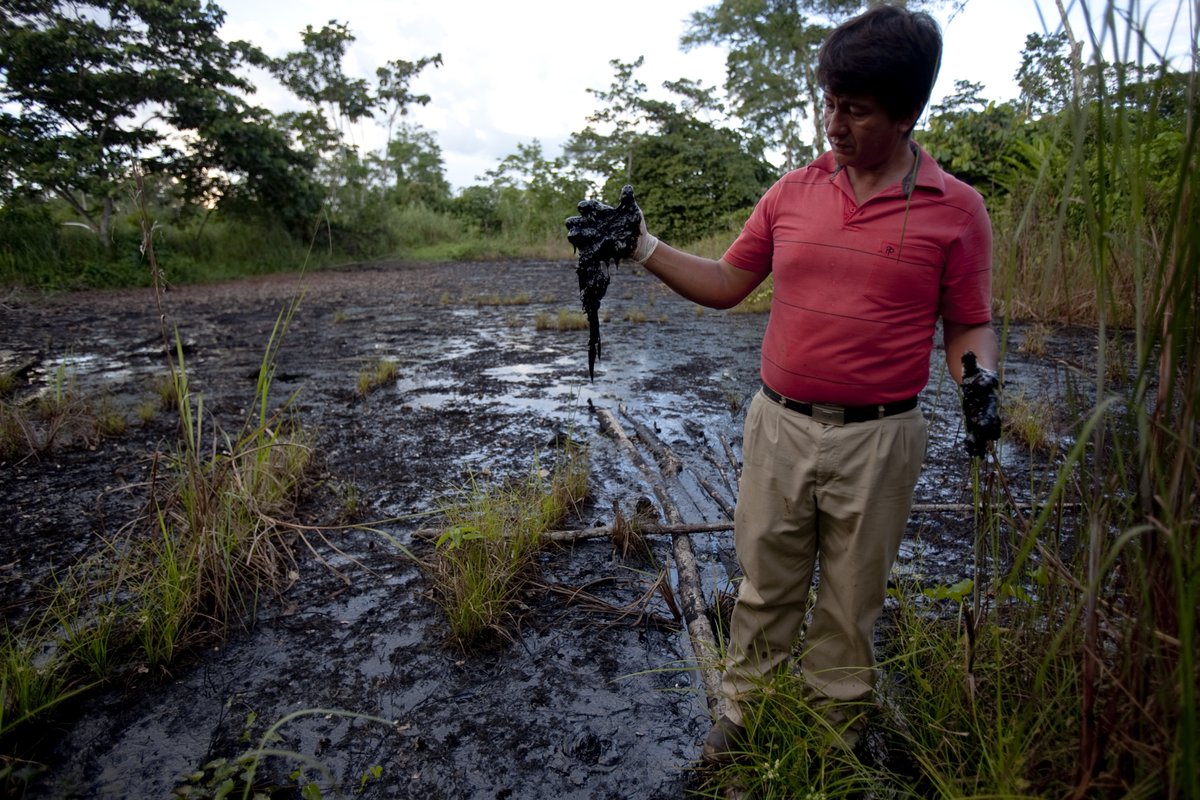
(602, 233)
(981, 406)
(645, 243)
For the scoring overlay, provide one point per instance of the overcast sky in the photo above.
(519, 70)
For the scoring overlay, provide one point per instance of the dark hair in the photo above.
(889, 53)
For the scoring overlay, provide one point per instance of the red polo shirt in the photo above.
(858, 289)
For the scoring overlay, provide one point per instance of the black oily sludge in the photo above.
(601, 234)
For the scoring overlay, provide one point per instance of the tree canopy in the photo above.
(101, 83)
(91, 88)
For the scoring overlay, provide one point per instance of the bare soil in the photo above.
(583, 702)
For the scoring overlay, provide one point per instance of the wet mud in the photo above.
(594, 696)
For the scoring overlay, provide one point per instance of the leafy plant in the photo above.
(239, 776)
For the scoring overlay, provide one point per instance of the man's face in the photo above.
(861, 133)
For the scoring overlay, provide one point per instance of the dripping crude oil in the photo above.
(601, 234)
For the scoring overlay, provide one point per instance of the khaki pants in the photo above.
(817, 493)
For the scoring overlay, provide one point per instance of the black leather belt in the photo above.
(832, 414)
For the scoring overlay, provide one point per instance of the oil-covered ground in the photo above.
(583, 701)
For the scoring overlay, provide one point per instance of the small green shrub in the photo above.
(491, 535)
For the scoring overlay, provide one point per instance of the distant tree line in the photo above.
(92, 89)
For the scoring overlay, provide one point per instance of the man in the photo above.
(869, 245)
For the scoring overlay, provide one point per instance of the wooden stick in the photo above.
(733, 462)
(600, 531)
(718, 526)
(667, 460)
(714, 494)
(690, 587)
(720, 468)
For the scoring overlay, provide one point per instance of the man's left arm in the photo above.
(978, 339)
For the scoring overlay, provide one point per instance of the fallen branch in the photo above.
(690, 587)
(733, 462)
(720, 468)
(602, 531)
(668, 462)
(638, 609)
(689, 528)
(716, 496)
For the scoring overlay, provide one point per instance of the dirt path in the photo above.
(578, 704)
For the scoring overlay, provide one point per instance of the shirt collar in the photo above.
(928, 174)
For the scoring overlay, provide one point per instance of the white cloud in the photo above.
(520, 70)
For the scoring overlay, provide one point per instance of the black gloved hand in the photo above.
(981, 406)
(603, 233)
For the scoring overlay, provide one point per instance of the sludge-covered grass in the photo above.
(212, 537)
(486, 554)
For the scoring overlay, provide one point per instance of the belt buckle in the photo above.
(828, 414)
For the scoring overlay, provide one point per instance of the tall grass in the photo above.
(1138, 601)
(41, 248)
(212, 538)
(487, 551)
(1069, 666)
(1081, 659)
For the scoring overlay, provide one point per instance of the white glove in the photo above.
(645, 243)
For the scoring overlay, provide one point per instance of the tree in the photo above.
(242, 162)
(690, 174)
(534, 193)
(336, 101)
(694, 177)
(411, 170)
(393, 95)
(1045, 75)
(770, 67)
(972, 137)
(100, 84)
(622, 113)
(315, 75)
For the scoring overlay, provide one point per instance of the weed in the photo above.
(572, 321)
(215, 542)
(758, 301)
(167, 392)
(1029, 420)
(519, 299)
(491, 536)
(1034, 341)
(239, 776)
(14, 427)
(562, 321)
(58, 400)
(349, 500)
(110, 421)
(382, 372)
(790, 749)
(147, 410)
(635, 315)
(733, 401)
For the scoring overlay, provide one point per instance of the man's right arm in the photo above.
(708, 282)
